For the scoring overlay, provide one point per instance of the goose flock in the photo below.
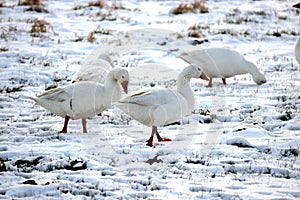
(95, 88)
(90, 92)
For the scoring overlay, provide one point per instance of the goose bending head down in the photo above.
(160, 106)
(84, 99)
(222, 63)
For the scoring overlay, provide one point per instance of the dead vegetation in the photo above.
(279, 32)
(29, 3)
(4, 48)
(104, 15)
(41, 26)
(235, 16)
(91, 36)
(105, 11)
(99, 3)
(231, 32)
(103, 31)
(197, 6)
(195, 30)
(34, 5)
(7, 32)
(102, 4)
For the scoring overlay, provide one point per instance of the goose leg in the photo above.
(150, 140)
(209, 83)
(83, 122)
(64, 130)
(224, 81)
(159, 138)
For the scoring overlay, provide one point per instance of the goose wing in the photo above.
(57, 94)
(149, 97)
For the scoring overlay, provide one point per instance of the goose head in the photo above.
(193, 71)
(259, 79)
(122, 77)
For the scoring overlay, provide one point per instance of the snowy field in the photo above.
(241, 142)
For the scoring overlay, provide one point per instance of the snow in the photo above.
(241, 142)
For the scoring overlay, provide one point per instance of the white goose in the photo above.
(84, 99)
(222, 63)
(159, 106)
(94, 69)
(297, 46)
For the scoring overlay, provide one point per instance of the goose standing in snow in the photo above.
(297, 46)
(160, 106)
(85, 98)
(222, 63)
(95, 68)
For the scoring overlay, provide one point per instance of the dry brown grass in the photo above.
(197, 6)
(29, 3)
(231, 32)
(7, 32)
(195, 30)
(4, 48)
(91, 37)
(99, 3)
(103, 31)
(35, 5)
(40, 26)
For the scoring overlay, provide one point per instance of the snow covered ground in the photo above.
(241, 142)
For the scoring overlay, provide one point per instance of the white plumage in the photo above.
(159, 106)
(222, 63)
(84, 99)
(94, 69)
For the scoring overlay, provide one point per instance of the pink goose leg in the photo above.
(65, 128)
(209, 83)
(83, 122)
(159, 138)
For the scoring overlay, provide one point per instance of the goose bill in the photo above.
(204, 77)
(125, 86)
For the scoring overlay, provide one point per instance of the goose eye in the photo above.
(199, 69)
(123, 76)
